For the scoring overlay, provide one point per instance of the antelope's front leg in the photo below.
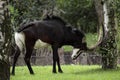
(56, 59)
(54, 48)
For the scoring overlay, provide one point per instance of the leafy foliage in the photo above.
(5, 43)
(117, 8)
(80, 13)
(117, 2)
(27, 10)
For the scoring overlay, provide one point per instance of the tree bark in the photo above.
(108, 48)
(5, 40)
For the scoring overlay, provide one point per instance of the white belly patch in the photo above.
(40, 44)
(20, 41)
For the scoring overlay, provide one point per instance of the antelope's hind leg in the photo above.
(29, 49)
(17, 54)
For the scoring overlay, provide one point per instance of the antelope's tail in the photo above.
(20, 40)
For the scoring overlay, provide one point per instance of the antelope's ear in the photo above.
(75, 30)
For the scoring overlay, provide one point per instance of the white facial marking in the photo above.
(74, 54)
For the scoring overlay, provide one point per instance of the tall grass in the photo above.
(71, 72)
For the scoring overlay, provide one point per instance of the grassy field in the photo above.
(71, 72)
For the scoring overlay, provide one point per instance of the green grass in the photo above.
(71, 72)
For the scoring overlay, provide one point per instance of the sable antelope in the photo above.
(53, 31)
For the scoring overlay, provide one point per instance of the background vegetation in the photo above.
(71, 72)
(80, 14)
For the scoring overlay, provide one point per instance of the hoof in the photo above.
(54, 72)
(13, 74)
(32, 73)
(60, 71)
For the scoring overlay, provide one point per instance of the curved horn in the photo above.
(100, 39)
(102, 14)
(77, 52)
(103, 23)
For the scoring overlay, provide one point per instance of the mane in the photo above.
(49, 18)
(55, 18)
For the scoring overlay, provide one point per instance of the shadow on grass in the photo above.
(97, 70)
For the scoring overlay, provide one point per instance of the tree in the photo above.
(79, 13)
(5, 31)
(29, 10)
(108, 48)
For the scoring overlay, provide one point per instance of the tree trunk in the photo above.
(108, 48)
(5, 40)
